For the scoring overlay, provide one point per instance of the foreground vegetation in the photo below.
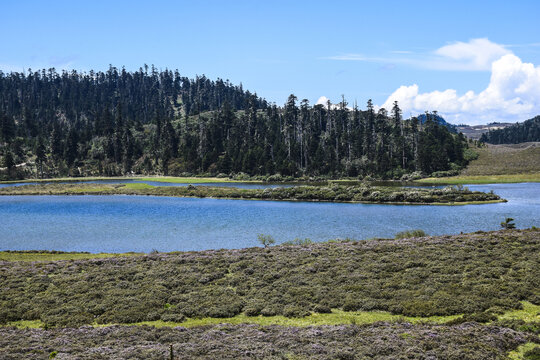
(481, 274)
(333, 192)
(380, 340)
(43, 255)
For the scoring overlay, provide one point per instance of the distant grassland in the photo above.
(483, 179)
(508, 163)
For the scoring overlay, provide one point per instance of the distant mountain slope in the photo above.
(526, 131)
(438, 119)
(476, 131)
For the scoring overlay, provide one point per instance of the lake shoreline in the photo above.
(364, 194)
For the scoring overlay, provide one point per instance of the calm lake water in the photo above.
(132, 223)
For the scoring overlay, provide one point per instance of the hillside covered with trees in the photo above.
(527, 131)
(160, 122)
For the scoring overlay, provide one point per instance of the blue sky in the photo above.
(428, 55)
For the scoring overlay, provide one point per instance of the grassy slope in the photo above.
(499, 164)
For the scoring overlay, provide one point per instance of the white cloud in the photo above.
(513, 93)
(322, 100)
(477, 54)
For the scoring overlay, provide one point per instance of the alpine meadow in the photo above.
(284, 180)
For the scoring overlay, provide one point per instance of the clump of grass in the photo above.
(299, 241)
(410, 234)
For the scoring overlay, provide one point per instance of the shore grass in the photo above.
(333, 193)
(190, 180)
(483, 179)
(54, 256)
(67, 179)
(168, 179)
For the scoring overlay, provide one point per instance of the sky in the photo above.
(474, 62)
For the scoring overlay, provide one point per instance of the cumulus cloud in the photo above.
(322, 100)
(477, 54)
(513, 93)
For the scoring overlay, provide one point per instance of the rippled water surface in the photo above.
(142, 223)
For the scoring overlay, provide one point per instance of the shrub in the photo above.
(410, 234)
(295, 311)
(266, 240)
(177, 318)
(322, 309)
(508, 224)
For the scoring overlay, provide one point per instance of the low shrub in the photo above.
(410, 234)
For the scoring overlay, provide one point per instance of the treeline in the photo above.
(159, 122)
(526, 131)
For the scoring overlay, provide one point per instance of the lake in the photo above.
(143, 223)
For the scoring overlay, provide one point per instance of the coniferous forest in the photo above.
(526, 131)
(159, 122)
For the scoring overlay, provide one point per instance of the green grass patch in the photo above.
(519, 353)
(138, 186)
(483, 179)
(68, 179)
(337, 317)
(529, 313)
(27, 324)
(189, 180)
(54, 256)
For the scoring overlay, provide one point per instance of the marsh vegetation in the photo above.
(331, 193)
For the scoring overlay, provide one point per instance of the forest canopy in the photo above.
(160, 122)
(526, 131)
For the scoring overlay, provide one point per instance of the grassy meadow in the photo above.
(509, 163)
